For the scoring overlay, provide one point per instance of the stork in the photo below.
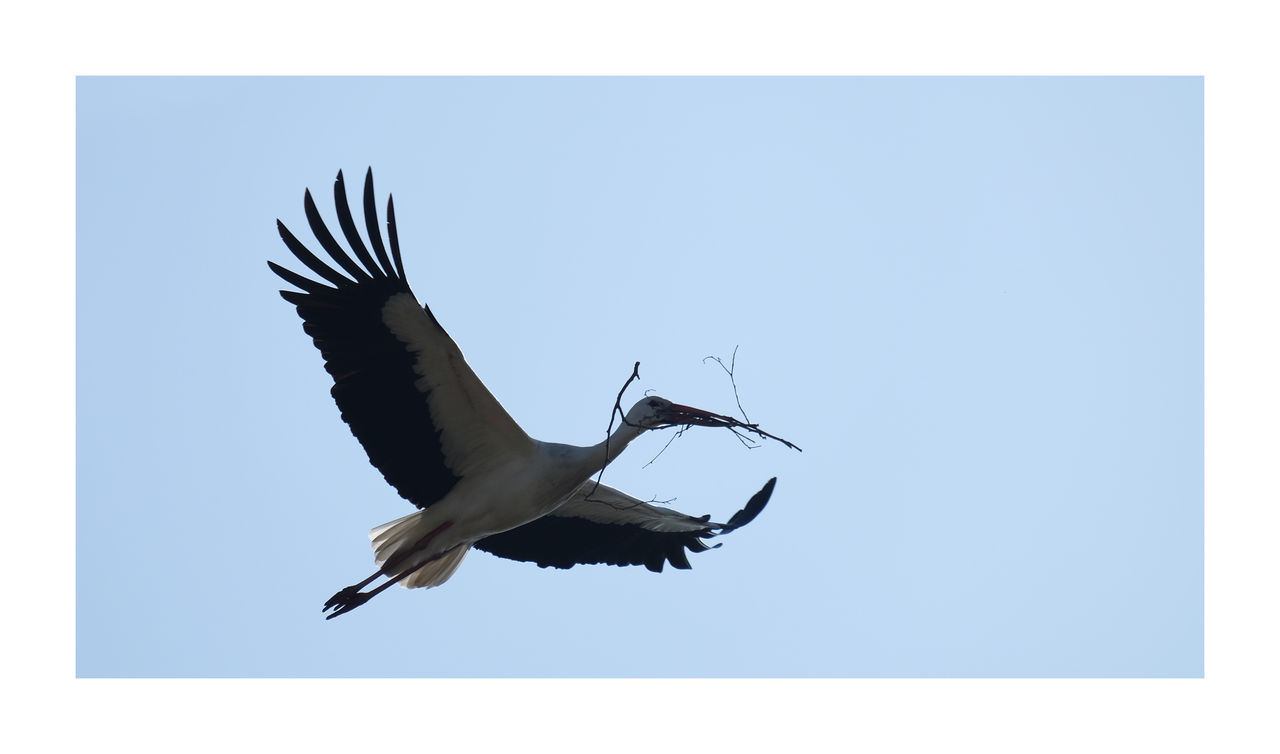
(443, 441)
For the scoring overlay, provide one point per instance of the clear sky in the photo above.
(975, 303)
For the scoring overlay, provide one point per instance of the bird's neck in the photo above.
(599, 455)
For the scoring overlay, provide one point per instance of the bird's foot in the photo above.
(345, 601)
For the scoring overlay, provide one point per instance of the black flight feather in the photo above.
(565, 541)
(329, 243)
(374, 381)
(371, 223)
(349, 227)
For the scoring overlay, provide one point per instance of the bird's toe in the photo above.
(349, 596)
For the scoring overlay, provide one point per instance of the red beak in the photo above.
(690, 415)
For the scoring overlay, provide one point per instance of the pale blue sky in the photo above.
(976, 303)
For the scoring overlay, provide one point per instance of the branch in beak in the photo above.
(678, 415)
(683, 416)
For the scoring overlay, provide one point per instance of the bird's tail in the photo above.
(390, 539)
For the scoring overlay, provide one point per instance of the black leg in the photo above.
(350, 598)
(348, 595)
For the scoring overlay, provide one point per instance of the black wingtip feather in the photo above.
(326, 239)
(371, 222)
(310, 260)
(679, 558)
(393, 237)
(752, 508)
(293, 278)
(295, 298)
(374, 382)
(348, 225)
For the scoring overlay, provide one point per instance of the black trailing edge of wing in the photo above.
(563, 542)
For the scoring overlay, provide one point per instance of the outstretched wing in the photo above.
(607, 526)
(399, 380)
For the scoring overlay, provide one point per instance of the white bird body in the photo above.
(482, 504)
(448, 446)
(549, 475)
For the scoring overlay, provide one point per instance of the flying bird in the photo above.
(443, 441)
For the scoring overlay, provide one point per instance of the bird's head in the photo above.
(653, 412)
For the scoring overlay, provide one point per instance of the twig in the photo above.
(686, 420)
(733, 362)
(708, 419)
(636, 504)
(664, 447)
(617, 411)
(733, 424)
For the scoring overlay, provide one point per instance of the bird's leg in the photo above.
(359, 598)
(350, 598)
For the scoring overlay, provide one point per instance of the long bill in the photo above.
(682, 416)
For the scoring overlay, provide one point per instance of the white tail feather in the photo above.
(437, 571)
(389, 538)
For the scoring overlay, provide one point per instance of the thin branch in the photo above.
(702, 419)
(617, 404)
(733, 424)
(664, 447)
(733, 362)
(636, 504)
(617, 411)
(747, 442)
(708, 419)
